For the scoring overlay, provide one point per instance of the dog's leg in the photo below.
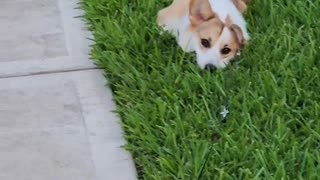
(162, 16)
(241, 5)
(166, 22)
(246, 1)
(170, 18)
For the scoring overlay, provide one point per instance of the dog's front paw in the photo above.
(161, 18)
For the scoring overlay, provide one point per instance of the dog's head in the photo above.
(216, 41)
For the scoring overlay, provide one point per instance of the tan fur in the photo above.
(178, 8)
(236, 31)
(210, 30)
(233, 45)
(241, 5)
(200, 11)
(204, 23)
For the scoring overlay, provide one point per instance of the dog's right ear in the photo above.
(200, 11)
(236, 30)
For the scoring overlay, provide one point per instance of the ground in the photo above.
(57, 119)
(170, 108)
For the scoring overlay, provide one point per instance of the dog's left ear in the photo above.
(236, 30)
(200, 11)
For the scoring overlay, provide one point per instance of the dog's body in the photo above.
(214, 29)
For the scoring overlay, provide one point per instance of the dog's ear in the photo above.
(200, 11)
(239, 34)
(236, 30)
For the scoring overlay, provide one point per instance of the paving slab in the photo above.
(38, 36)
(33, 30)
(57, 119)
(60, 126)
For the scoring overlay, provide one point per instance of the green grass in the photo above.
(170, 109)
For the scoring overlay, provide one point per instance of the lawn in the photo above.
(170, 108)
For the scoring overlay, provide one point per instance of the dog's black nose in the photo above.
(210, 67)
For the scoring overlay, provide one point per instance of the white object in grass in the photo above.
(224, 112)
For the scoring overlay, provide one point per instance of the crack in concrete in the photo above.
(47, 72)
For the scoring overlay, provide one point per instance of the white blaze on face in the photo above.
(213, 54)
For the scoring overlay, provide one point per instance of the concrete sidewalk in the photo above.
(56, 119)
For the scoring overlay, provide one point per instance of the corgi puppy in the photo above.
(214, 29)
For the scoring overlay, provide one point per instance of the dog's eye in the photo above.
(205, 43)
(225, 50)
